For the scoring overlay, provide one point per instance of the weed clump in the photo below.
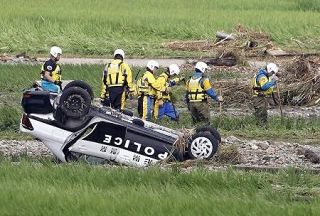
(228, 155)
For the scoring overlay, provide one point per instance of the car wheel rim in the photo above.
(201, 147)
(75, 103)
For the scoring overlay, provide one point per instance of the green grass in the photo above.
(16, 78)
(19, 77)
(96, 28)
(302, 130)
(78, 189)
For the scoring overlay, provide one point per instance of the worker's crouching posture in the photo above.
(163, 104)
(51, 71)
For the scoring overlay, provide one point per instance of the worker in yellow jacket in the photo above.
(198, 88)
(116, 82)
(147, 91)
(263, 84)
(163, 104)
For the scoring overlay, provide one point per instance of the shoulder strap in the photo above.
(105, 73)
(257, 81)
(119, 65)
(201, 82)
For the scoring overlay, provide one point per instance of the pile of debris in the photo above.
(299, 85)
(19, 58)
(301, 81)
(234, 92)
(228, 49)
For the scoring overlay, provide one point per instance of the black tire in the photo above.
(202, 145)
(75, 102)
(210, 129)
(81, 84)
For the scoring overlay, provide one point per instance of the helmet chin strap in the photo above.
(168, 73)
(271, 73)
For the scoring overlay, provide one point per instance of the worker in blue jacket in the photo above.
(263, 86)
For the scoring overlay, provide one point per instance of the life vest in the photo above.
(256, 87)
(114, 76)
(195, 91)
(55, 74)
(163, 93)
(144, 87)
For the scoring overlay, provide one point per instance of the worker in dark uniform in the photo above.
(263, 84)
(198, 87)
(117, 82)
(51, 71)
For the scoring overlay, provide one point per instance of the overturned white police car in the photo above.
(74, 129)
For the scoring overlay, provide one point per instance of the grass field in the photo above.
(140, 27)
(96, 27)
(19, 77)
(43, 188)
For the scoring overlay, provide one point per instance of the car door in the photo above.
(125, 144)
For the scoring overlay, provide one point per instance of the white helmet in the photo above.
(54, 51)
(174, 70)
(201, 66)
(119, 52)
(272, 67)
(152, 64)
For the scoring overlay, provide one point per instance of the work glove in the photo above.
(182, 79)
(174, 81)
(257, 88)
(160, 103)
(220, 98)
(131, 95)
(167, 90)
(163, 89)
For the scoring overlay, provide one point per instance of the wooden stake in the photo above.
(220, 103)
(279, 98)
